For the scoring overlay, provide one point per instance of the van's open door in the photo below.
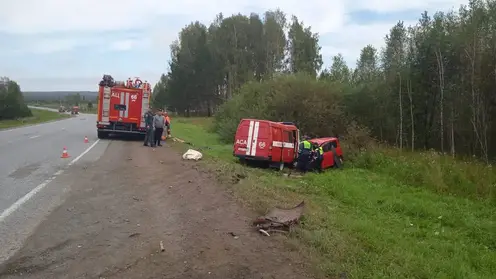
(288, 146)
(297, 142)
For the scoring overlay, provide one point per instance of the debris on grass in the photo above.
(279, 220)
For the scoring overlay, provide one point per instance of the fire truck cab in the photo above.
(121, 106)
(261, 140)
(75, 110)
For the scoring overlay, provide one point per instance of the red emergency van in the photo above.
(275, 143)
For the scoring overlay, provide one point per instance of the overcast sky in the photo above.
(69, 44)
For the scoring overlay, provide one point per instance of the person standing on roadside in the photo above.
(149, 136)
(167, 124)
(159, 123)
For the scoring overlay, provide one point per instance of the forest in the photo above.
(431, 86)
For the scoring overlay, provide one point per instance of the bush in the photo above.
(12, 104)
(315, 106)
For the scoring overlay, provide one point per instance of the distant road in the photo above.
(30, 159)
(42, 108)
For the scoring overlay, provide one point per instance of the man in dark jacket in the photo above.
(149, 136)
(158, 123)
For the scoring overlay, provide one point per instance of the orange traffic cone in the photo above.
(86, 139)
(64, 153)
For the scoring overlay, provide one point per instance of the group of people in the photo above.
(310, 156)
(158, 124)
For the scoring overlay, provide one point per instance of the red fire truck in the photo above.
(121, 106)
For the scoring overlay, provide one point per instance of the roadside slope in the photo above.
(121, 207)
(381, 216)
(40, 115)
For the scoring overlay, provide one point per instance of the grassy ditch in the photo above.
(39, 116)
(387, 214)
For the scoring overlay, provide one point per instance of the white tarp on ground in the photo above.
(192, 155)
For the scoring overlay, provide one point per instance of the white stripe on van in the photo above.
(280, 144)
(255, 139)
(248, 142)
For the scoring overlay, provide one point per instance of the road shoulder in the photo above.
(120, 209)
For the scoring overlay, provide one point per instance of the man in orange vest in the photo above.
(167, 124)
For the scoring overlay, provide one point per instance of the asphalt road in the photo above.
(30, 161)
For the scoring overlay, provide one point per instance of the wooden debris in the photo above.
(264, 232)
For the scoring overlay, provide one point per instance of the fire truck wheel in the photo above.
(102, 135)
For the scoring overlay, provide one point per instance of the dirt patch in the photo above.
(124, 205)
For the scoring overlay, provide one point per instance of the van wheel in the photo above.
(337, 161)
(281, 166)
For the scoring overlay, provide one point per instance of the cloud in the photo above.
(34, 16)
(128, 36)
(123, 45)
(388, 6)
(350, 40)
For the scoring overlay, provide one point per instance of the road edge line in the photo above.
(11, 209)
(15, 206)
(84, 152)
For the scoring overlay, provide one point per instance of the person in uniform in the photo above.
(304, 155)
(149, 136)
(319, 156)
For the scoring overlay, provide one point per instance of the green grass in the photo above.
(39, 116)
(389, 214)
(430, 170)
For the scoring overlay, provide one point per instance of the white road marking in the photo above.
(33, 137)
(82, 154)
(6, 213)
(22, 200)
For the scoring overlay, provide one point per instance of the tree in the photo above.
(12, 103)
(73, 99)
(393, 60)
(303, 49)
(430, 87)
(339, 71)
